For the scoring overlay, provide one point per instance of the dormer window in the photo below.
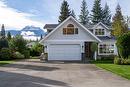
(70, 30)
(99, 31)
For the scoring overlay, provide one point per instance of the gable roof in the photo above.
(106, 37)
(70, 17)
(50, 26)
(89, 26)
(102, 25)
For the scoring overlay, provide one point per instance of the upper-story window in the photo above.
(70, 30)
(99, 31)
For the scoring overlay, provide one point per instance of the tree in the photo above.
(4, 43)
(2, 34)
(83, 17)
(97, 12)
(41, 37)
(73, 14)
(65, 11)
(106, 15)
(18, 44)
(123, 45)
(127, 19)
(36, 50)
(119, 25)
(9, 36)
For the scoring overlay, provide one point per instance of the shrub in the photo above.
(121, 61)
(18, 55)
(5, 54)
(17, 43)
(123, 45)
(26, 54)
(117, 60)
(4, 43)
(108, 57)
(36, 50)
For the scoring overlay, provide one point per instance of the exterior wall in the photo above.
(82, 34)
(107, 32)
(48, 43)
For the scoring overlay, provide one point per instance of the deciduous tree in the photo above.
(119, 25)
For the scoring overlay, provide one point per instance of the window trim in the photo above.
(70, 26)
(103, 31)
(107, 53)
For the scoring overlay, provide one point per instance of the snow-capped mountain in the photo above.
(29, 32)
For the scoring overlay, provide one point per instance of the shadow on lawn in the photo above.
(9, 79)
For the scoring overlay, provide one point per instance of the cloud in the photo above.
(12, 18)
(27, 33)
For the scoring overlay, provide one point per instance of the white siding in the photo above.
(107, 32)
(82, 34)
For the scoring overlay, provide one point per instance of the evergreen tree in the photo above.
(73, 14)
(3, 43)
(65, 11)
(106, 15)
(97, 12)
(83, 17)
(41, 37)
(17, 43)
(2, 34)
(119, 25)
(9, 36)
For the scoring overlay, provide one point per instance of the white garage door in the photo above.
(64, 52)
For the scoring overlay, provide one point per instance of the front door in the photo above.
(88, 50)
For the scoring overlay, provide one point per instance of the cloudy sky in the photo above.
(16, 14)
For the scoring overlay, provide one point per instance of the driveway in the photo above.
(33, 73)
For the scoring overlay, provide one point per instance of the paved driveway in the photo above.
(33, 73)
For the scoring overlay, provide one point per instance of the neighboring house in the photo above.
(30, 44)
(71, 40)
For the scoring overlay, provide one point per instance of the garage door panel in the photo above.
(64, 52)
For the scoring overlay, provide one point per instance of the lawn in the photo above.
(122, 70)
(6, 62)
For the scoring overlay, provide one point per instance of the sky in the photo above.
(16, 14)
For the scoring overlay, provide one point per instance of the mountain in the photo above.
(32, 33)
(13, 32)
(28, 32)
(31, 30)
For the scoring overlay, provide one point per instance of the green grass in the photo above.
(122, 70)
(6, 62)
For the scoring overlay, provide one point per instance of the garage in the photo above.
(65, 52)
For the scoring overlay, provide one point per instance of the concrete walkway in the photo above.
(33, 73)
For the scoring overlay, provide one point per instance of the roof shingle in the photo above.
(50, 26)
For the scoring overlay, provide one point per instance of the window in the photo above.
(106, 48)
(70, 30)
(70, 25)
(76, 30)
(99, 31)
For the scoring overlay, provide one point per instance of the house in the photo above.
(70, 40)
(30, 44)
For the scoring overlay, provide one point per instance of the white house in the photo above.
(70, 40)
